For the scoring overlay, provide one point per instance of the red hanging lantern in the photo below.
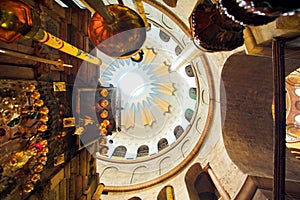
(16, 21)
(123, 37)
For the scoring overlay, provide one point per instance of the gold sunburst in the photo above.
(144, 86)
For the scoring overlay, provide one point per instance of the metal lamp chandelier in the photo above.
(18, 21)
(116, 30)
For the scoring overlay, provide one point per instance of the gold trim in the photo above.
(181, 166)
(171, 15)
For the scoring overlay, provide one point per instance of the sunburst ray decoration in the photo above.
(144, 86)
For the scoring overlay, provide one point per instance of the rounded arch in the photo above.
(189, 71)
(143, 151)
(162, 144)
(178, 130)
(199, 184)
(106, 174)
(190, 178)
(193, 93)
(188, 114)
(248, 126)
(120, 151)
(138, 174)
(166, 193)
(135, 198)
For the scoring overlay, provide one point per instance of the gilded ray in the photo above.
(147, 116)
(161, 70)
(293, 145)
(149, 55)
(166, 88)
(128, 119)
(160, 104)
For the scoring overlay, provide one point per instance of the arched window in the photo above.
(178, 50)
(206, 188)
(178, 130)
(166, 193)
(193, 93)
(120, 151)
(162, 144)
(189, 71)
(163, 36)
(200, 185)
(188, 114)
(143, 151)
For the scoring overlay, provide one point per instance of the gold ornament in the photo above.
(104, 114)
(104, 92)
(103, 103)
(44, 119)
(30, 88)
(44, 143)
(35, 177)
(38, 168)
(45, 150)
(43, 128)
(39, 103)
(42, 160)
(44, 110)
(28, 187)
(35, 95)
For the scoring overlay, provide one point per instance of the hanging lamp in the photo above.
(116, 30)
(214, 31)
(18, 21)
(257, 12)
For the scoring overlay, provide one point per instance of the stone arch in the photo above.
(120, 151)
(164, 36)
(199, 184)
(193, 93)
(164, 165)
(166, 193)
(178, 130)
(188, 114)
(190, 179)
(189, 71)
(107, 174)
(135, 198)
(138, 174)
(248, 126)
(184, 147)
(162, 144)
(143, 151)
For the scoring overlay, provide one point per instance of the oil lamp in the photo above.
(103, 92)
(18, 21)
(116, 30)
(257, 12)
(44, 110)
(43, 128)
(44, 119)
(214, 31)
(39, 103)
(35, 177)
(28, 187)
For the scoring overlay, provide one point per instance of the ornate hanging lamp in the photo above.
(214, 31)
(18, 21)
(257, 12)
(116, 30)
